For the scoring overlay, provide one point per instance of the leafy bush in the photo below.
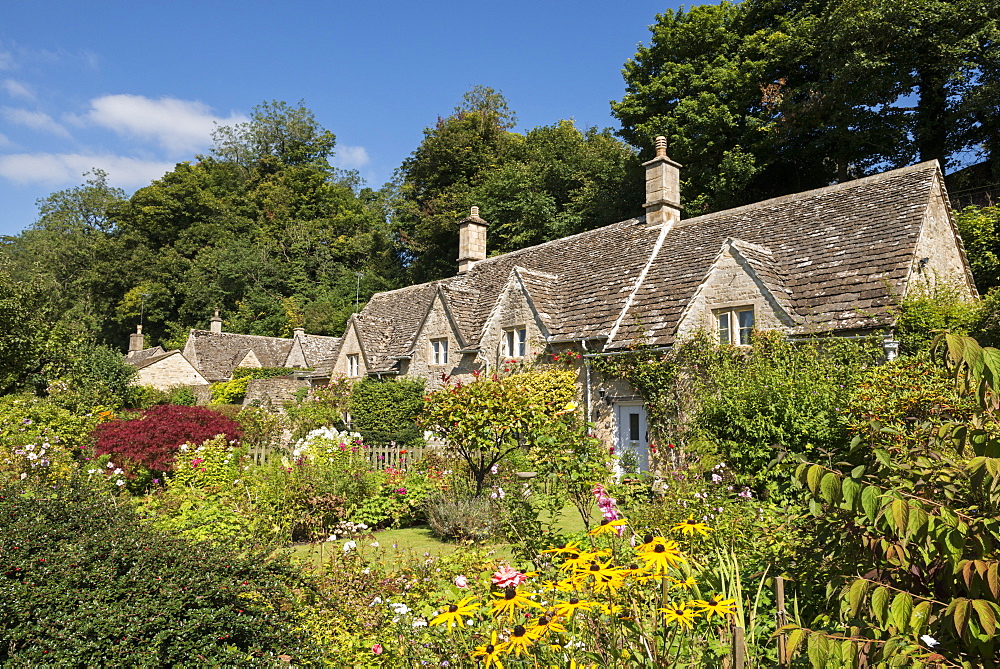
(183, 396)
(229, 392)
(86, 583)
(943, 307)
(468, 518)
(980, 230)
(40, 439)
(320, 406)
(151, 440)
(384, 411)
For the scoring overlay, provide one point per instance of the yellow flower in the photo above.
(490, 653)
(580, 561)
(681, 614)
(661, 557)
(452, 616)
(509, 601)
(716, 605)
(571, 547)
(608, 527)
(690, 526)
(545, 623)
(519, 641)
(569, 607)
(649, 541)
(605, 577)
(686, 584)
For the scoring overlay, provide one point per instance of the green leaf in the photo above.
(900, 516)
(919, 617)
(794, 640)
(813, 479)
(917, 522)
(880, 605)
(871, 501)
(830, 487)
(987, 615)
(960, 616)
(902, 607)
(817, 647)
(858, 472)
(856, 595)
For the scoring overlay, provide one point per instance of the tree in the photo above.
(547, 183)
(771, 97)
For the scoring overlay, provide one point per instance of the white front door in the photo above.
(632, 450)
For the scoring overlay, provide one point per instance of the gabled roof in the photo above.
(833, 258)
(152, 359)
(136, 357)
(320, 351)
(217, 354)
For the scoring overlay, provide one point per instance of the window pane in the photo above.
(444, 352)
(724, 337)
(633, 427)
(746, 325)
(522, 335)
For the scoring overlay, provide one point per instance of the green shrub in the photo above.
(183, 396)
(319, 406)
(469, 518)
(229, 392)
(385, 411)
(87, 583)
(40, 439)
(943, 307)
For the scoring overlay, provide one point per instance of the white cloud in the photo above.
(68, 168)
(179, 126)
(351, 157)
(16, 89)
(33, 119)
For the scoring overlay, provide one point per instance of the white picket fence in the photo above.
(381, 456)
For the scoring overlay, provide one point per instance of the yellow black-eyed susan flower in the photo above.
(690, 526)
(452, 615)
(571, 547)
(605, 578)
(609, 527)
(682, 615)
(648, 541)
(489, 653)
(572, 605)
(661, 557)
(519, 641)
(509, 601)
(545, 623)
(716, 605)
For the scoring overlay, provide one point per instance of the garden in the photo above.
(811, 506)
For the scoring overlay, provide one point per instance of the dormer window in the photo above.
(515, 342)
(735, 325)
(353, 362)
(439, 351)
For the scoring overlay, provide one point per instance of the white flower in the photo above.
(32, 456)
(119, 483)
(118, 472)
(91, 471)
(349, 546)
(24, 475)
(366, 571)
(929, 640)
(110, 465)
(374, 544)
(377, 600)
(420, 622)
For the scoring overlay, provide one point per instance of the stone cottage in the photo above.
(831, 261)
(212, 355)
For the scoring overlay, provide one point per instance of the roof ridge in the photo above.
(832, 188)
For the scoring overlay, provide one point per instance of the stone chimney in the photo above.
(136, 342)
(298, 332)
(215, 324)
(471, 241)
(663, 187)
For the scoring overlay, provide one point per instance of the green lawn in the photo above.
(416, 541)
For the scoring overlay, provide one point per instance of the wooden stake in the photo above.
(779, 585)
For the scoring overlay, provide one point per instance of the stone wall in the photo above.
(938, 244)
(437, 326)
(169, 372)
(272, 392)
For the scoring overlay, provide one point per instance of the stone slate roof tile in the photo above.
(216, 354)
(136, 357)
(320, 351)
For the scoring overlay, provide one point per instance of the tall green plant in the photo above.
(911, 537)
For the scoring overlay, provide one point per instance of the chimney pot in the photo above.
(474, 212)
(663, 189)
(136, 341)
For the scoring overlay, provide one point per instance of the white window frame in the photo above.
(515, 342)
(735, 325)
(439, 351)
(353, 364)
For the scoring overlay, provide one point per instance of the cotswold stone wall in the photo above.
(438, 327)
(272, 392)
(168, 373)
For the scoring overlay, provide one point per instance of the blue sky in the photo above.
(134, 87)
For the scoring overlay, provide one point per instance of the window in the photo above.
(352, 364)
(515, 342)
(439, 351)
(735, 325)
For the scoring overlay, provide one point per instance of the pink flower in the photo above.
(461, 581)
(508, 577)
(377, 649)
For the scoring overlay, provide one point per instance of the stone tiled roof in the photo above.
(137, 357)
(844, 252)
(320, 351)
(834, 258)
(151, 359)
(217, 354)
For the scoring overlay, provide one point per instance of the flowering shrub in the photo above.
(39, 439)
(215, 463)
(152, 439)
(320, 406)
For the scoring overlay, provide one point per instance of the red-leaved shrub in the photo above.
(152, 439)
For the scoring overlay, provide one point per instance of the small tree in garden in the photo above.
(320, 406)
(490, 418)
(151, 440)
